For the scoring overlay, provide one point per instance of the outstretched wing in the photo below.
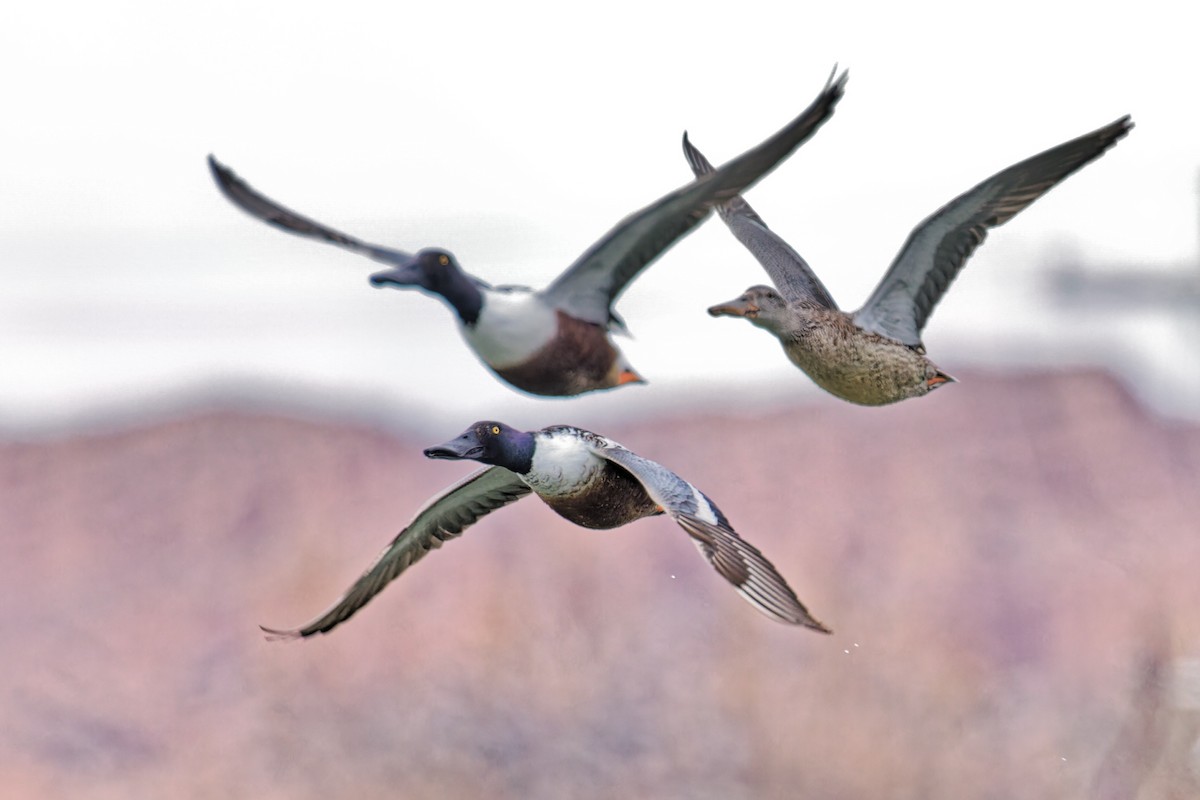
(937, 249)
(734, 559)
(589, 287)
(242, 195)
(789, 272)
(442, 519)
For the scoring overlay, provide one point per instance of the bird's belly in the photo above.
(609, 499)
(869, 371)
(573, 357)
(512, 327)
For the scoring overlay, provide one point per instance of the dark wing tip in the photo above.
(220, 172)
(276, 635)
(754, 577)
(1121, 127)
(805, 619)
(831, 95)
(835, 86)
(1111, 133)
(228, 181)
(1105, 137)
(700, 165)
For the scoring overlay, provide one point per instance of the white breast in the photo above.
(561, 464)
(512, 326)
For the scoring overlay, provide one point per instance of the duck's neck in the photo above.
(786, 323)
(463, 294)
(518, 452)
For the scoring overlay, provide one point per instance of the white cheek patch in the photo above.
(511, 328)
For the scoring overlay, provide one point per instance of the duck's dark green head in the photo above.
(435, 270)
(490, 443)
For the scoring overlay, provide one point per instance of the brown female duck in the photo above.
(874, 356)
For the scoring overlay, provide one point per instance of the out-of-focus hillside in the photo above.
(1003, 564)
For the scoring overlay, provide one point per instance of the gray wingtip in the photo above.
(837, 83)
(1123, 125)
(1111, 133)
(223, 175)
(835, 87)
(276, 635)
(696, 160)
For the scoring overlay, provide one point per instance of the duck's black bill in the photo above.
(441, 451)
(404, 275)
(465, 446)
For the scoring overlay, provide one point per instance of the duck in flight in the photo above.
(555, 341)
(874, 356)
(584, 477)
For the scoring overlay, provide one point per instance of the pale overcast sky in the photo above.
(515, 135)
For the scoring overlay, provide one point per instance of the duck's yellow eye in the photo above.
(443, 260)
(495, 430)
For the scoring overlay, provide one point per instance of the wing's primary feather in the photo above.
(937, 249)
(755, 578)
(589, 287)
(258, 205)
(791, 275)
(443, 518)
(734, 559)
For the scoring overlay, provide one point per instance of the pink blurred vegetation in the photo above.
(1010, 568)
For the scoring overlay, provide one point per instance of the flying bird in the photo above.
(584, 477)
(555, 341)
(874, 356)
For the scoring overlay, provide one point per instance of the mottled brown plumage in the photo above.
(875, 356)
(856, 365)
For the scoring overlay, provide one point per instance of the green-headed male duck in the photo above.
(586, 478)
(874, 356)
(555, 341)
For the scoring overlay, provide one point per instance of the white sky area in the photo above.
(515, 135)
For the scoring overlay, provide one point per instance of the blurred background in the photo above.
(207, 424)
